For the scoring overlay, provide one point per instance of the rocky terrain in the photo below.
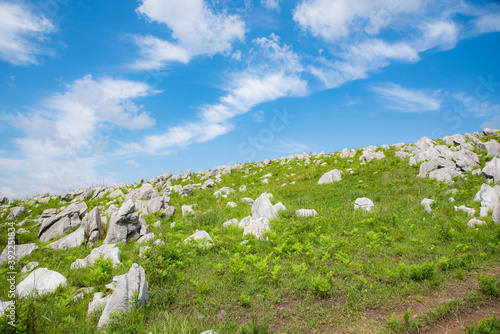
(308, 243)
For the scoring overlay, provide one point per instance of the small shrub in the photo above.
(489, 285)
(423, 271)
(321, 286)
(486, 326)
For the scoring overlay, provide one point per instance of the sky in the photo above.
(98, 92)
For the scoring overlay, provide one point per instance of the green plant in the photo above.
(423, 271)
(321, 285)
(489, 285)
(489, 325)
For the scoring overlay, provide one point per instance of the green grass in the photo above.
(316, 274)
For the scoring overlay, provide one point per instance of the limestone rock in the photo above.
(146, 191)
(262, 207)
(475, 222)
(16, 212)
(187, 190)
(331, 176)
(469, 211)
(493, 148)
(20, 251)
(364, 203)
(257, 227)
(187, 209)
(124, 224)
(107, 251)
(129, 286)
(40, 281)
(202, 237)
(492, 169)
(97, 302)
(306, 213)
(61, 223)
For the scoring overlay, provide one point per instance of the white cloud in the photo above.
(273, 73)
(441, 34)
(132, 162)
(271, 4)
(65, 139)
(474, 106)
(22, 33)
(157, 52)
(331, 20)
(196, 27)
(407, 100)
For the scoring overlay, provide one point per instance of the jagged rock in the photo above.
(247, 200)
(201, 237)
(427, 154)
(262, 207)
(347, 154)
(72, 240)
(231, 204)
(145, 229)
(492, 169)
(97, 302)
(230, 222)
(489, 201)
(466, 160)
(444, 174)
(331, 176)
(47, 213)
(412, 161)
(369, 156)
(124, 224)
(40, 281)
(493, 148)
(426, 203)
(424, 143)
(155, 204)
(490, 132)
(433, 164)
(257, 227)
(146, 191)
(223, 191)
(306, 213)
(116, 193)
(61, 223)
(20, 251)
(169, 211)
(469, 211)
(16, 212)
(475, 222)
(29, 267)
(4, 200)
(187, 209)
(279, 207)
(129, 287)
(208, 184)
(402, 155)
(455, 140)
(364, 203)
(107, 251)
(187, 190)
(145, 238)
(243, 188)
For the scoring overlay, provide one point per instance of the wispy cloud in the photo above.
(271, 4)
(22, 34)
(64, 139)
(407, 100)
(195, 27)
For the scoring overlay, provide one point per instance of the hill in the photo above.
(382, 239)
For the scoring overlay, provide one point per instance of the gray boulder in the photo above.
(116, 193)
(16, 212)
(155, 204)
(247, 200)
(90, 230)
(488, 198)
(97, 302)
(40, 281)
(455, 140)
(4, 200)
(107, 251)
(306, 213)
(124, 224)
(469, 211)
(257, 227)
(433, 164)
(208, 184)
(187, 209)
(262, 207)
(145, 238)
(427, 154)
(47, 213)
(146, 191)
(169, 211)
(475, 222)
(363, 203)
(490, 132)
(20, 251)
(466, 160)
(61, 223)
(201, 237)
(187, 190)
(492, 169)
(426, 203)
(331, 176)
(369, 156)
(444, 174)
(493, 148)
(129, 286)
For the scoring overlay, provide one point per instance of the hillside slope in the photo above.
(317, 243)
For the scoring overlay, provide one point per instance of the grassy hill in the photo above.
(341, 271)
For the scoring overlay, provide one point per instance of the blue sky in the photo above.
(95, 92)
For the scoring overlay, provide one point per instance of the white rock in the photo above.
(202, 237)
(262, 207)
(257, 227)
(40, 281)
(29, 267)
(364, 203)
(231, 204)
(492, 169)
(469, 211)
(331, 176)
(128, 286)
(20, 251)
(108, 251)
(475, 222)
(145, 238)
(187, 209)
(97, 303)
(306, 213)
